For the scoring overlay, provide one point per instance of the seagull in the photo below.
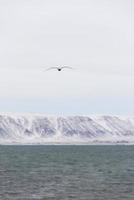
(59, 68)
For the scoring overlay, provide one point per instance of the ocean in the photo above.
(65, 172)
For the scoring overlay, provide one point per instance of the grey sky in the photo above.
(96, 37)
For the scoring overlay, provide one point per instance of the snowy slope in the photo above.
(41, 129)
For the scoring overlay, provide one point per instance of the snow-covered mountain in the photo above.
(41, 129)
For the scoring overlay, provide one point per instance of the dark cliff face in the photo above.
(40, 128)
(81, 126)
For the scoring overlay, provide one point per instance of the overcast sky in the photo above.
(96, 37)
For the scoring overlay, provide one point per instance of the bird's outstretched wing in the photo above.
(67, 67)
(51, 68)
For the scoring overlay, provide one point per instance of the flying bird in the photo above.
(59, 68)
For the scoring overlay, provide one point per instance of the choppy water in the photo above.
(66, 172)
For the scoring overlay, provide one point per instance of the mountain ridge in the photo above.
(49, 129)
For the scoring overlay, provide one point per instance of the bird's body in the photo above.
(59, 68)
